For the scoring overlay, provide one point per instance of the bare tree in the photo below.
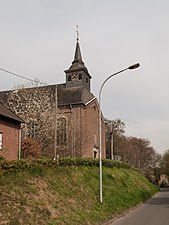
(156, 169)
(165, 163)
(114, 130)
(139, 153)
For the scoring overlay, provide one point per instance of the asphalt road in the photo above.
(153, 212)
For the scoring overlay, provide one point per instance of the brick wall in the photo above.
(83, 131)
(75, 136)
(91, 127)
(10, 139)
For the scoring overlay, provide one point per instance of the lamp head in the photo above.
(134, 66)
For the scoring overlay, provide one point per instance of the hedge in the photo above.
(20, 165)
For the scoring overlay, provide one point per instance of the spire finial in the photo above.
(77, 32)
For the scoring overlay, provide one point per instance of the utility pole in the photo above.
(112, 143)
(55, 123)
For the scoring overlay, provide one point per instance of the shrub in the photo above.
(2, 157)
(30, 148)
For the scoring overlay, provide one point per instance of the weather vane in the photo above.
(77, 32)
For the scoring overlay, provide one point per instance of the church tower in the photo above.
(77, 75)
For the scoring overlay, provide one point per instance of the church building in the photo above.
(76, 116)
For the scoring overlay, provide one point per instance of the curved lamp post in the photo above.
(100, 125)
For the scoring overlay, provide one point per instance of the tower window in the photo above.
(69, 78)
(80, 76)
(86, 80)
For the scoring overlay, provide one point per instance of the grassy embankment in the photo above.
(52, 194)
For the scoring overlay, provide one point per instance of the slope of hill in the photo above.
(55, 194)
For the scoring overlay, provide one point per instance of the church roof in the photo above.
(74, 95)
(5, 112)
(65, 96)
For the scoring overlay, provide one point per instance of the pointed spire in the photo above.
(77, 62)
(78, 56)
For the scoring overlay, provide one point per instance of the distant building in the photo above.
(77, 113)
(10, 133)
(164, 181)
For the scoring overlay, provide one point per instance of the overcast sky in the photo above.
(38, 37)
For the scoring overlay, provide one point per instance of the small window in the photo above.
(95, 155)
(0, 140)
(80, 76)
(69, 78)
(86, 80)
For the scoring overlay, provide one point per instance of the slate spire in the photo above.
(77, 62)
(77, 75)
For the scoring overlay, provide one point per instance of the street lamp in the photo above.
(100, 120)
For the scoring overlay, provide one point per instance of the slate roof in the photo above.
(4, 95)
(73, 95)
(5, 112)
(65, 96)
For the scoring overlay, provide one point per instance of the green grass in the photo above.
(69, 195)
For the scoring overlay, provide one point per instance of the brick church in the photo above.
(76, 113)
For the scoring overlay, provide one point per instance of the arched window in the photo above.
(69, 78)
(80, 76)
(61, 131)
